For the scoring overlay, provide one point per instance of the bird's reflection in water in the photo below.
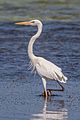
(52, 110)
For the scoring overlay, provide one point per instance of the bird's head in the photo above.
(32, 23)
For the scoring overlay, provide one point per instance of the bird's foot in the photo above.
(47, 93)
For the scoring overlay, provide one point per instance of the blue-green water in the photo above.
(40, 9)
(59, 43)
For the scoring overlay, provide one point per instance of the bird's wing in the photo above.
(49, 70)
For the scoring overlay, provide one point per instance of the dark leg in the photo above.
(48, 92)
(62, 88)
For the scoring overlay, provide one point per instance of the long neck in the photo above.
(32, 40)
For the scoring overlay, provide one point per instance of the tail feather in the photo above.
(62, 78)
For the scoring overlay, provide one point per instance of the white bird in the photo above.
(45, 68)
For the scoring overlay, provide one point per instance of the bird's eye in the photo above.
(33, 22)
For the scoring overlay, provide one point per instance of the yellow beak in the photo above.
(23, 23)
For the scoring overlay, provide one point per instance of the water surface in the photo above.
(20, 89)
(60, 43)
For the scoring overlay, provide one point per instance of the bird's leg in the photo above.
(44, 85)
(62, 88)
(49, 92)
(44, 93)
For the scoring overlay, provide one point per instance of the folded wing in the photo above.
(49, 70)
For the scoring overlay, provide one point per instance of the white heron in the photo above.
(46, 69)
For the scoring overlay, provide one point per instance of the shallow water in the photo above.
(60, 43)
(20, 89)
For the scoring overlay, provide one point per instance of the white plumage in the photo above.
(49, 70)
